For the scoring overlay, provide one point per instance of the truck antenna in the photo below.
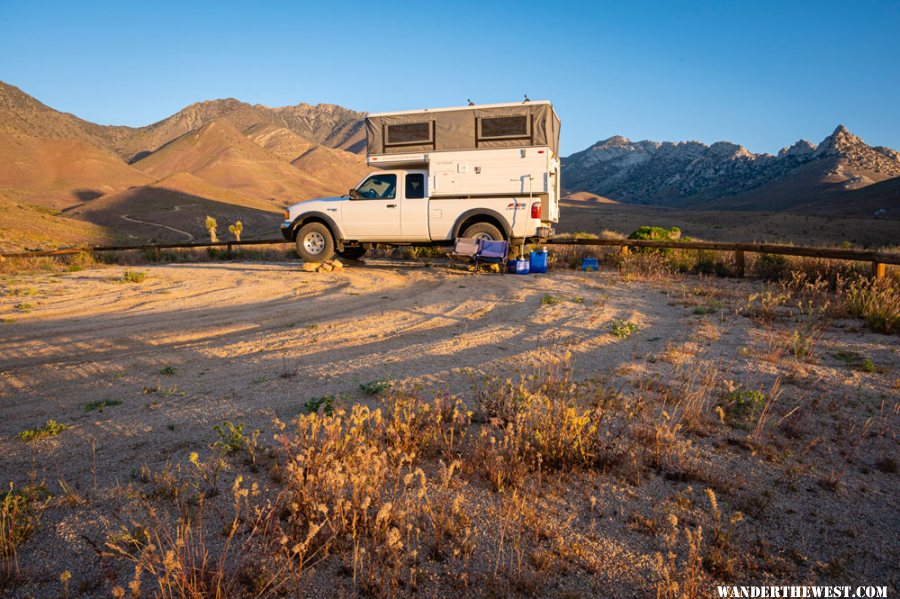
(471, 103)
(526, 99)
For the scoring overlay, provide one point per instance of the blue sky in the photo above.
(759, 73)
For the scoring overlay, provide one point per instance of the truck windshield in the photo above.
(379, 187)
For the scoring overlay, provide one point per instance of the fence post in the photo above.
(739, 264)
(156, 254)
(228, 248)
(878, 270)
(625, 250)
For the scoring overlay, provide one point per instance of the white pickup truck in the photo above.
(489, 171)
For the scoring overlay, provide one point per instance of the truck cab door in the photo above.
(375, 213)
(414, 217)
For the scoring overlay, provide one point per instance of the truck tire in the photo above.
(352, 253)
(315, 243)
(483, 231)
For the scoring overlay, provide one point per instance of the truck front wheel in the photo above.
(483, 231)
(315, 243)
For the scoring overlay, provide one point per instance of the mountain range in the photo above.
(64, 180)
(826, 178)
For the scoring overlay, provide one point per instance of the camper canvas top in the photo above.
(452, 108)
(510, 125)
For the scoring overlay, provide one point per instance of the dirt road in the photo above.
(196, 344)
(246, 335)
(249, 342)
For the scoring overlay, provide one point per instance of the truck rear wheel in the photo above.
(483, 231)
(315, 243)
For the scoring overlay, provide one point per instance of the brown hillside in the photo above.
(20, 114)
(349, 136)
(340, 169)
(585, 196)
(818, 187)
(190, 184)
(174, 209)
(29, 226)
(61, 172)
(52, 158)
(324, 123)
(879, 199)
(327, 124)
(281, 142)
(144, 140)
(221, 156)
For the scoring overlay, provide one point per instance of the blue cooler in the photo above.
(538, 261)
(589, 264)
(518, 267)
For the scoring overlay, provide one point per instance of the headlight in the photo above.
(287, 215)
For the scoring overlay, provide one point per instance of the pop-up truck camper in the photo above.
(482, 172)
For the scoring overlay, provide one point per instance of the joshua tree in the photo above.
(211, 227)
(236, 229)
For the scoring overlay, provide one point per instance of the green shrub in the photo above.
(771, 267)
(50, 429)
(709, 308)
(549, 300)
(622, 329)
(134, 276)
(232, 438)
(375, 387)
(655, 234)
(100, 404)
(326, 404)
(742, 405)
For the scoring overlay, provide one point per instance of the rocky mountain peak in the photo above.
(726, 149)
(801, 148)
(618, 140)
(672, 172)
(614, 141)
(840, 142)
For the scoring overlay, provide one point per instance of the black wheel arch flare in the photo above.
(323, 218)
(493, 217)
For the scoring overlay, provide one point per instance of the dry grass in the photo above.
(390, 495)
(18, 518)
(877, 302)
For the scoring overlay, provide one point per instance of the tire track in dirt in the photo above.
(189, 236)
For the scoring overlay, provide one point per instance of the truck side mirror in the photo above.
(354, 193)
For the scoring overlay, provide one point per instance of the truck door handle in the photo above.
(392, 205)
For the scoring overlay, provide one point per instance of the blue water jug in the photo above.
(539, 261)
(588, 264)
(518, 267)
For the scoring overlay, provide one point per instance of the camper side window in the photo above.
(379, 187)
(504, 127)
(415, 186)
(408, 134)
